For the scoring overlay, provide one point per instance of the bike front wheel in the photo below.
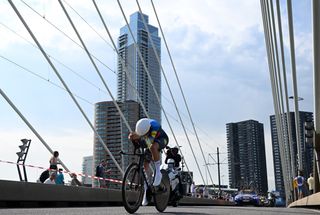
(132, 188)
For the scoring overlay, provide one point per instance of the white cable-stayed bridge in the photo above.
(72, 56)
(54, 77)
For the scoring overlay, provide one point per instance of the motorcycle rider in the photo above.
(172, 153)
(173, 160)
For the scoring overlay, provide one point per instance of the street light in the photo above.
(22, 155)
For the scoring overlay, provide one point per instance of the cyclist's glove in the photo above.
(136, 143)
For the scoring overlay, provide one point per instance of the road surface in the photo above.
(183, 210)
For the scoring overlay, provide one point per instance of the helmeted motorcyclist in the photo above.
(172, 153)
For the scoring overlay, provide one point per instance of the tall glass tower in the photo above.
(135, 70)
(246, 156)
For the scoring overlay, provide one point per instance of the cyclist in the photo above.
(150, 135)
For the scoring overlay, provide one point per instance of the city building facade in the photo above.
(87, 169)
(114, 133)
(306, 149)
(134, 69)
(246, 156)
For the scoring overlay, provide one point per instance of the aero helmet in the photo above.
(143, 126)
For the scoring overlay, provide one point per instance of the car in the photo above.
(247, 197)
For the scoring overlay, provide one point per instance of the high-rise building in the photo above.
(108, 122)
(307, 150)
(135, 70)
(87, 169)
(114, 133)
(246, 156)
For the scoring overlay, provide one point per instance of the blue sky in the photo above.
(218, 48)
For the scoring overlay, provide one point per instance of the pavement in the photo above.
(149, 210)
(312, 201)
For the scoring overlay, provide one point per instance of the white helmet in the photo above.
(143, 126)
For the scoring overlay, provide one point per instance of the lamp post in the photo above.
(298, 135)
(22, 155)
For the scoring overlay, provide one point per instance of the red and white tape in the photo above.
(70, 173)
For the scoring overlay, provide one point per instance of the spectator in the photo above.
(200, 192)
(300, 181)
(74, 180)
(205, 192)
(101, 172)
(60, 177)
(193, 189)
(311, 184)
(54, 161)
(51, 179)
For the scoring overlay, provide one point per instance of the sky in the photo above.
(218, 50)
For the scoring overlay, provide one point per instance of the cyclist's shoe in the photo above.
(145, 195)
(157, 179)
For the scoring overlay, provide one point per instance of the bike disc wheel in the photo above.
(161, 199)
(132, 188)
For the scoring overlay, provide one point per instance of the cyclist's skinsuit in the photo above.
(155, 134)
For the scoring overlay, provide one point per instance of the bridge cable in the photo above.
(286, 126)
(289, 129)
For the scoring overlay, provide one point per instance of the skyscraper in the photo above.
(87, 170)
(307, 150)
(135, 70)
(114, 133)
(246, 155)
(107, 119)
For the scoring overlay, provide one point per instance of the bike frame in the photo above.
(140, 163)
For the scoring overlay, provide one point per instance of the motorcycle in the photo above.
(271, 200)
(174, 174)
